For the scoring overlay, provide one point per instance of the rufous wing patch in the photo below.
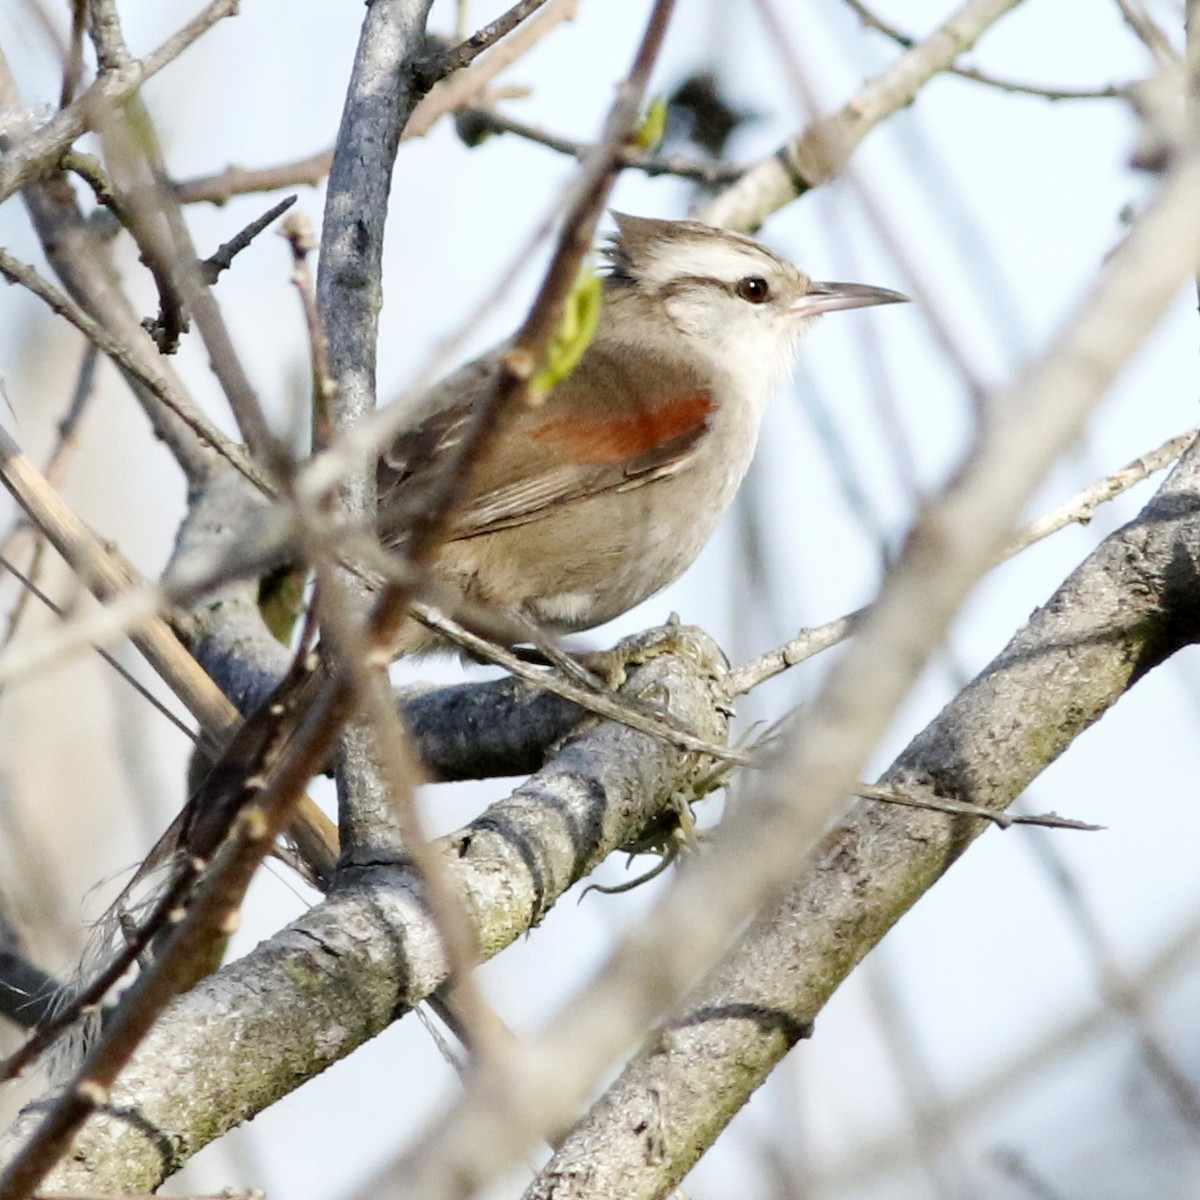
(616, 439)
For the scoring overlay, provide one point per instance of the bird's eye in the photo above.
(753, 288)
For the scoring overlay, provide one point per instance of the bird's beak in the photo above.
(830, 297)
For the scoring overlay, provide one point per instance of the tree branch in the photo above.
(350, 966)
(817, 153)
(1130, 605)
(40, 151)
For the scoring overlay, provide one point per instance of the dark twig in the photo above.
(470, 85)
(467, 51)
(211, 267)
(156, 222)
(476, 122)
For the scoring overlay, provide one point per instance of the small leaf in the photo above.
(573, 335)
(281, 600)
(654, 125)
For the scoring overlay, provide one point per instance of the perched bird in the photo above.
(588, 503)
(594, 500)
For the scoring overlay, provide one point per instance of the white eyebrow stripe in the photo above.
(701, 257)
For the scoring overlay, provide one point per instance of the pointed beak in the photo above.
(830, 297)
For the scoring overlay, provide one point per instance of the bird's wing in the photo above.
(553, 455)
(528, 499)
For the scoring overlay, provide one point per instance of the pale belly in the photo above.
(592, 560)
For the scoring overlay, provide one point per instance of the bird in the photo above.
(593, 501)
(588, 503)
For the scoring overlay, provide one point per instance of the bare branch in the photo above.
(1130, 606)
(816, 154)
(468, 50)
(1078, 510)
(370, 952)
(477, 122)
(964, 808)
(239, 181)
(39, 152)
(872, 20)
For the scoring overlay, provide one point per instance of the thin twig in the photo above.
(601, 703)
(132, 364)
(224, 255)
(1079, 509)
(298, 232)
(488, 120)
(32, 589)
(964, 808)
(38, 152)
(54, 472)
(219, 189)
(91, 170)
(155, 220)
(872, 20)
(468, 50)
(465, 87)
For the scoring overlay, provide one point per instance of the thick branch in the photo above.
(774, 832)
(1123, 611)
(345, 970)
(383, 91)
